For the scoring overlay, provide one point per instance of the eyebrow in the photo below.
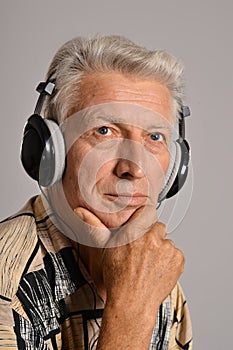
(159, 126)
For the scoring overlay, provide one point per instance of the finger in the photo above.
(171, 242)
(97, 234)
(159, 229)
(90, 218)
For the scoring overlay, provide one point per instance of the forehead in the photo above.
(101, 88)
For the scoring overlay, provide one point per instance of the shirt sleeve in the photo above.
(181, 329)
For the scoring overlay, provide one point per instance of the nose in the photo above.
(128, 169)
(131, 159)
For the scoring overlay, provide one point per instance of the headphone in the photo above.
(43, 153)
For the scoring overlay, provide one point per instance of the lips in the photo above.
(127, 199)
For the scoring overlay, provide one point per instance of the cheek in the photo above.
(74, 158)
(166, 161)
(105, 170)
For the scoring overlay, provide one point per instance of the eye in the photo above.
(157, 136)
(103, 130)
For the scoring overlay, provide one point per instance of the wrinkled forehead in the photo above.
(116, 113)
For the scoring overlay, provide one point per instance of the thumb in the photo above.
(88, 217)
(97, 233)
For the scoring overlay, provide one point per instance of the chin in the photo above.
(115, 220)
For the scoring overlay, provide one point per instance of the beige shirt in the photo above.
(48, 301)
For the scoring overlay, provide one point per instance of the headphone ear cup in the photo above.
(43, 150)
(175, 159)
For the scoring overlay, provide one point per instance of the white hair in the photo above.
(101, 54)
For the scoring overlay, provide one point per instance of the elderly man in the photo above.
(86, 264)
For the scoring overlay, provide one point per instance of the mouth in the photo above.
(127, 199)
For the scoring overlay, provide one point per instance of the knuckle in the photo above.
(151, 241)
(160, 228)
(160, 225)
(168, 244)
(180, 257)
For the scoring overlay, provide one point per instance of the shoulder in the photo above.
(18, 239)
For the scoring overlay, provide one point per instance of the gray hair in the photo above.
(81, 56)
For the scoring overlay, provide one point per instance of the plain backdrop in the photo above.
(199, 33)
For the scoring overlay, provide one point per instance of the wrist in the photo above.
(126, 326)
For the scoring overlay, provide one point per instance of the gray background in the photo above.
(200, 34)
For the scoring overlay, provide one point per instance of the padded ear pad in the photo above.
(175, 158)
(43, 150)
(177, 170)
(59, 150)
(183, 168)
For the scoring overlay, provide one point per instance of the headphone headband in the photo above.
(184, 112)
(44, 89)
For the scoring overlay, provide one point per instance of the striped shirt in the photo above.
(48, 301)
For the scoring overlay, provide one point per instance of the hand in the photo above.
(138, 276)
(147, 269)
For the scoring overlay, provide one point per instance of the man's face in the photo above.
(123, 158)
